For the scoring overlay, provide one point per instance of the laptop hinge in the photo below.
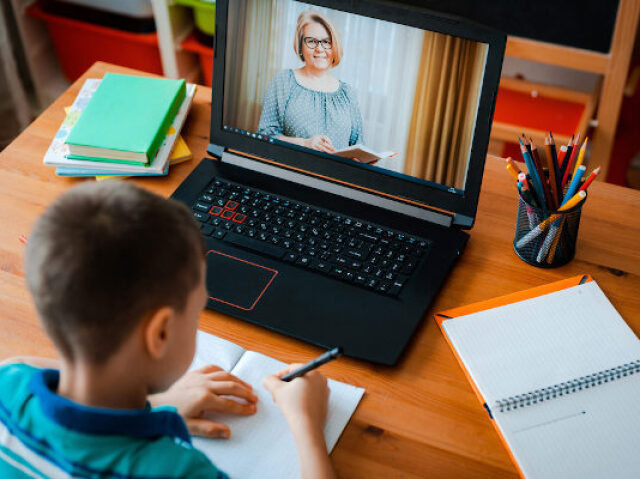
(425, 214)
(462, 221)
(215, 150)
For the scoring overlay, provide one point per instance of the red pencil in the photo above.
(589, 180)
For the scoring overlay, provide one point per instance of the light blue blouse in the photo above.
(292, 110)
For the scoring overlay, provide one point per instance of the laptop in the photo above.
(347, 149)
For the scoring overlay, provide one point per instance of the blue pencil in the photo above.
(535, 178)
(575, 183)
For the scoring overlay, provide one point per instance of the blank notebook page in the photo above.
(261, 445)
(518, 348)
(532, 344)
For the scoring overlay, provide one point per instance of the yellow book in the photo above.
(179, 154)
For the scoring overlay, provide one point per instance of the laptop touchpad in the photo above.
(235, 281)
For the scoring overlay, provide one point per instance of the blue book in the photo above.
(65, 171)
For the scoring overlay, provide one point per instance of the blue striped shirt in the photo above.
(43, 435)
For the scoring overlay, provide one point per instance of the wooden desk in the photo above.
(418, 419)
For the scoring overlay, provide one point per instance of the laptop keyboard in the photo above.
(355, 251)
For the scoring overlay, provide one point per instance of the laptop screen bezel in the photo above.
(371, 178)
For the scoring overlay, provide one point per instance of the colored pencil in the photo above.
(512, 168)
(543, 177)
(583, 151)
(565, 159)
(589, 180)
(535, 178)
(553, 170)
(554, 245)
(567, 170)
(575, 184)
(556, 164)
(534, 233)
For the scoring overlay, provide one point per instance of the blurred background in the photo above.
(571, 71)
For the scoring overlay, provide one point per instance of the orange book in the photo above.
(547, 363)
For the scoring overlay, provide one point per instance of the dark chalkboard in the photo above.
(586, 24)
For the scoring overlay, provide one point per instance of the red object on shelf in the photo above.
(205, 54)
(79, 45)
(512, 150)
(537, 113)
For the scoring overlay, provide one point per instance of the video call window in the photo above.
(398, 98)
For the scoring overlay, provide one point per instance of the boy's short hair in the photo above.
(102, 258)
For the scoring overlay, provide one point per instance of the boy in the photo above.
(118, 278)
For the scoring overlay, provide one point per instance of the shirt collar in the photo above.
(142, 423)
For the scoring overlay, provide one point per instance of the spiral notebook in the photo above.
(558, 371)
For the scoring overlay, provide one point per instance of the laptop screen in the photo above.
(350, 90)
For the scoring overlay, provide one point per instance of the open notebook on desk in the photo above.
(261, 445)
(560, 376)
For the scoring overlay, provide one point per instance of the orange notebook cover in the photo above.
(495, 303)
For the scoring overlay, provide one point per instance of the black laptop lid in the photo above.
(411, 86)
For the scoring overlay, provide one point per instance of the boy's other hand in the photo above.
(302, 401)
(200, 391)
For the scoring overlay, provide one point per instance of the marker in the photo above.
(335, 353)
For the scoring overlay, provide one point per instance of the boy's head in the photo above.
(107, 257)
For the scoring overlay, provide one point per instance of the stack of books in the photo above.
(123, 125)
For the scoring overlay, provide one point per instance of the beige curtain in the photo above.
(444, 110)
(253, 43)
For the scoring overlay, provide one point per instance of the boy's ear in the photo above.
(157, 331)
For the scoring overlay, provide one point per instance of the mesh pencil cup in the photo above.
(552, 247)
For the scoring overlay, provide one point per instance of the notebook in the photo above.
(261, 445)
(559, 374)
(57, 153)
(126, 119)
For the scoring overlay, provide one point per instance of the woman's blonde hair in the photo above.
(310, 16)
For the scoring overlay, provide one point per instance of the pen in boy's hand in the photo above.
(334, 353)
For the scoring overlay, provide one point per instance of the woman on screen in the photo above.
(309, 106)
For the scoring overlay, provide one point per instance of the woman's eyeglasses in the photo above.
(312, 43)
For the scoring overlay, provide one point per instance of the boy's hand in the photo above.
(302, 401)
(200, 391)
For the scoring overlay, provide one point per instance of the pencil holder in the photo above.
(551, 247)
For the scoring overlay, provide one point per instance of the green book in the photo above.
(126, 119)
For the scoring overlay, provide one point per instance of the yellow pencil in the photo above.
(513, 169)
(583, 150)
(554, 245)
